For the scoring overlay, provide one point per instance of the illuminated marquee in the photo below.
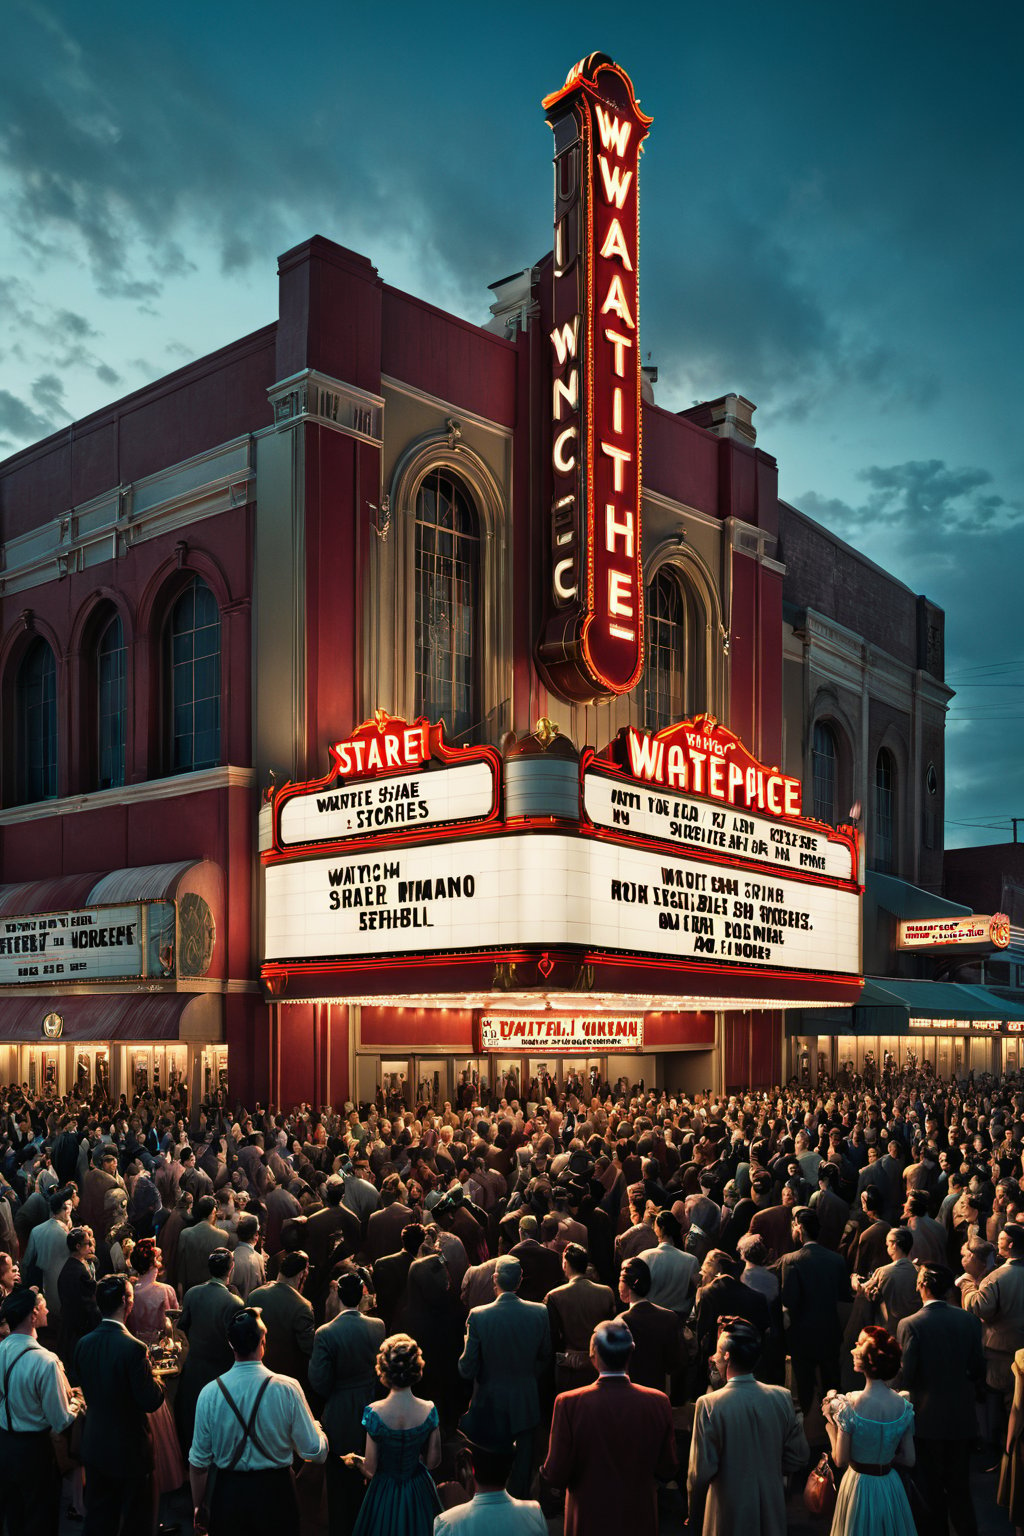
(706, 758)
(390, 778)
(506, 891)
(593, 645)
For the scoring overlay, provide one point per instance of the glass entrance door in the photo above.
(507, 1083)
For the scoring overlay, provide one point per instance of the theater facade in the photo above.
(420, 704)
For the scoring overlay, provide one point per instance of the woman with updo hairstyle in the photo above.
(871, 1434)
(152, 1299)
(403, 1442)
(148, 1320)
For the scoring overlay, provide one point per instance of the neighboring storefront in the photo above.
(552, 916)
(105, 981)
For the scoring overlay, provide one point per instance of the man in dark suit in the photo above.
(814, 1283)
(775, 1224)
(508, 1345)
(205, 1314)
(574, 1311)
(342, 1373)
(117, 1442)
(609, 1441)
(197, 1242)
(943, 1369)
(288, 1317)
(384, 1228)
(864, 1242)
(325, 1230)
(831, 1210)
(657, 1340)
(542, 1269)
(76, 1287)
(391, 1278)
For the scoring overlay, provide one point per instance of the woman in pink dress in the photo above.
(148, 1321)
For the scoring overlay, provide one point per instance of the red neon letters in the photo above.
(592, 646)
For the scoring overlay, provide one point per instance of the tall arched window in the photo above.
(111, 658)
(36, 713)
(824, 756)
(885, 812)
(447, 582)
(193, 667)
(675, 677)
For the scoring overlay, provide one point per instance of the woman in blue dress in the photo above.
(871, 1434)
(402, 1443)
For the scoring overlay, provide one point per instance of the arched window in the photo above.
(675, 685)
(824, 757)
(36, 713)
(447, 582)
(111, 658)
(193, 667)
(885, 812)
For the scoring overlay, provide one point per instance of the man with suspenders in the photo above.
(249, 1425)
(35, 1402)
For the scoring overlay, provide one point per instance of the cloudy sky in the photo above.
(831, 225)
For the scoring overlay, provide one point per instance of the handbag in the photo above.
(820, 1489)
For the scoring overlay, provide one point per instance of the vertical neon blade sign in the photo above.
(593, 643)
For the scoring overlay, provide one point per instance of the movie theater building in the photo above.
(458, 679)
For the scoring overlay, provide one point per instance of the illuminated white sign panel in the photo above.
(939, 933)
(368, 806)
(95, 943)
(559, 1032)
(956, 1026)
(649, 811)
(552, 889)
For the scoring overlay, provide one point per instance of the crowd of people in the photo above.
(497, 1311)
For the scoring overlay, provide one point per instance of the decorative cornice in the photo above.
(110, 524)
(325, 402)
(755, 543)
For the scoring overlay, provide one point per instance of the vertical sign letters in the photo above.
(593, 644)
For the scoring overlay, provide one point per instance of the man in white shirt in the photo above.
(250, 1423)
(250, 1269)
(491, 1511)
(673, 1272)
(35, 1402)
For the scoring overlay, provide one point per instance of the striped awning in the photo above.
(115, 1016)
(113, 887)
(889, 1005)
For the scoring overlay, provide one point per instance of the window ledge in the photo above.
(225, 777)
